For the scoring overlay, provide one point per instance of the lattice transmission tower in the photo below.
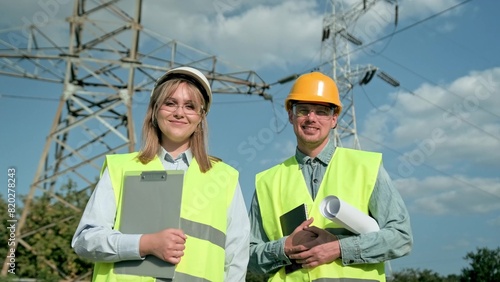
(336, 48)
(110, 61)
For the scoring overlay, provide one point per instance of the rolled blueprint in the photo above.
(348, 216)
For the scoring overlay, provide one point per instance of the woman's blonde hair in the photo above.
(151, 134)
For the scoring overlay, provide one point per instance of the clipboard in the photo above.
(151, 201)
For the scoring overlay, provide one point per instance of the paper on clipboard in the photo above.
(348, 216)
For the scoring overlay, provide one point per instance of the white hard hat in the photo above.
(192, 75)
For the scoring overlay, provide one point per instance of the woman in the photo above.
(174, 138)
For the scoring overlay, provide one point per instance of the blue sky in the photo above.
(439, 131)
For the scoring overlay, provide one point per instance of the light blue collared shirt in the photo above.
(96, 240)
(386, 205)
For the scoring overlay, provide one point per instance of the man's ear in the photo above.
(290, 116)
(334, 120)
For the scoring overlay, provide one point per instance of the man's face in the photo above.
(312, 123)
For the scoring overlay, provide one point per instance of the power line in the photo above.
(459, 44)
(401, 30)
(462, 119)
(432, 82)
(436, 105)
(308, 69)
(411, 25)
(8, 96)
(433, 168)
(373, 104)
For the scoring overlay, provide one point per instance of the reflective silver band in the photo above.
(344, 280)
(204, 232)
(183, 277)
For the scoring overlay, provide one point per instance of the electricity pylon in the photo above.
(336, 43)
(337, 40)
(110, 62)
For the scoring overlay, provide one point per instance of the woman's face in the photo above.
(178, 117)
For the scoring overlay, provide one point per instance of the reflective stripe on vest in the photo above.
(343, 280)
(204, 232)
(183, 277)
(351, 176)
(205, 199)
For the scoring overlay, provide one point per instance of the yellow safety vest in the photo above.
(351, 176)
(205, 200)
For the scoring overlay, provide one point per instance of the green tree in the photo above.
(415, 275)
(484, 266)
(51, 226)
(452, 278)
(4, 232)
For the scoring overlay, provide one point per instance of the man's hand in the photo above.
(297, 235)
(319, 247)
(167, 245)
(320, 236)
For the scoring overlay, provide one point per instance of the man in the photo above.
(319, 249)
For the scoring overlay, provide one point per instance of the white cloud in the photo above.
(281, 150)
(453, 130)
(441, 125)
(376, 129)
(457, 195)
(287, 149)
(39, 13)
(260, 36)
(254, 34)
(457, 244)
(263, 33)
(25, 16)
(494, 221)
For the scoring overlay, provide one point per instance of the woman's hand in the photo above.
(167, 245)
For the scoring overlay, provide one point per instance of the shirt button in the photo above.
(315, 181)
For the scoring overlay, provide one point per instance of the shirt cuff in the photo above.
(128, 247)
(282, 257)
(350, 250)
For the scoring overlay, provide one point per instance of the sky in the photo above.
(438, 131)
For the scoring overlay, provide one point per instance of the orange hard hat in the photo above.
(314, 87)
